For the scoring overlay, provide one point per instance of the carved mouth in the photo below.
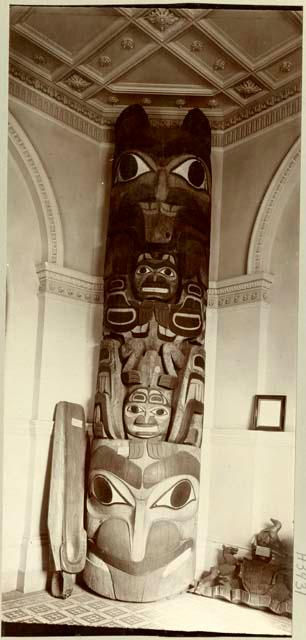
(147, 565)
(154, 208)
(155, 290)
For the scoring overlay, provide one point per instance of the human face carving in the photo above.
(146, 414)
(142, 506)
(156, 278)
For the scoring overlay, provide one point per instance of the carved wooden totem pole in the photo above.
(142, 477)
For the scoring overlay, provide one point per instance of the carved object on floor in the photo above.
(262, 580)
(149, 402)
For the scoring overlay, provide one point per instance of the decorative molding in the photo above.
(46, 88)
(87, 121)
(261, 122)
(271, 209)
(81, 123)
(257, 107)
(104, 61)
(247, 88)
(50, 211)
(77, 82)
(127, 43)
(286, 66)
(212, 103)
(219, 65)
(113, 100)
(70, 283)
(242, 290)
(161, 18)
(40, 59)
(196, 46)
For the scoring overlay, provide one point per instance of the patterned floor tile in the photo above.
(132, 621)
(93, 618)
(15, 614)
(54, 616)
(77, 611)
(41, 608)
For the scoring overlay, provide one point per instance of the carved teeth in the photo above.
(155, 289)
(166, 332)
(162, 207)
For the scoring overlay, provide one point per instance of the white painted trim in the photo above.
(271, 209)
(241, 290)
(70, 283)
(38, 179)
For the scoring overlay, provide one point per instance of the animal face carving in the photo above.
(161, 184)
(156, 278)
(142, 505)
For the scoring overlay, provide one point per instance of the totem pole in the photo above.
(143, 471)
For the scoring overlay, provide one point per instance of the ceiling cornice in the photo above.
(86, 119)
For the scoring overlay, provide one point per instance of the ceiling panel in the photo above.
(122, 52)
(226, 61)
(70, 29)
(256, 33)
(165, 69)
(206, 54)
(32, 55)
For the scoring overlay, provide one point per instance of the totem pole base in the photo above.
(149, 588)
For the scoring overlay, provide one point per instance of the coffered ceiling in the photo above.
(232, 63)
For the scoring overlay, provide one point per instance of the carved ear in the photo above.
(198, 125)
(131, 121)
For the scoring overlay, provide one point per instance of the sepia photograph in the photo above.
(152, 320)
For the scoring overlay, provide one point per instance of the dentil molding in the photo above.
(70, 283)
(42, 186)
(41, 95)
(245, 289)
(275, 200)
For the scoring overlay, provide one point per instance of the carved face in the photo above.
(142, 505)
(161, 179)
(155, 278)
(147, 414)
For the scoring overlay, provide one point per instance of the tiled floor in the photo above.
(187, 612)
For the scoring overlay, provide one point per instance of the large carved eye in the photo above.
(134, 409)
(194, 172)
(130, 166)
(105, 492)
(168, 272)
(177, 497)
(160, 411)
(143, 269)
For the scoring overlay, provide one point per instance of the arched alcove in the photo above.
(41, 191)
(270, 212)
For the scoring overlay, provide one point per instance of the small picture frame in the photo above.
(269, 413)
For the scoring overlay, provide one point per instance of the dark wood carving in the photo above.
(262, 579)
(149, 402)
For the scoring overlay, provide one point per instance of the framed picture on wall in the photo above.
(269, 413)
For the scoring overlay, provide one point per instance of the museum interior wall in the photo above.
(59, 184)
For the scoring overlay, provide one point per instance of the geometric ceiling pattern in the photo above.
(231, 63)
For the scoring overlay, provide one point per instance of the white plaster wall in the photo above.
(23, 251)
(79, 171)
(282, 328)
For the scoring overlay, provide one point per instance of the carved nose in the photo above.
(139, 532)
(161, 190)
(145, 419)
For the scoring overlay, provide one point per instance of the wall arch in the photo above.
(271, 209)
(41, 190)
